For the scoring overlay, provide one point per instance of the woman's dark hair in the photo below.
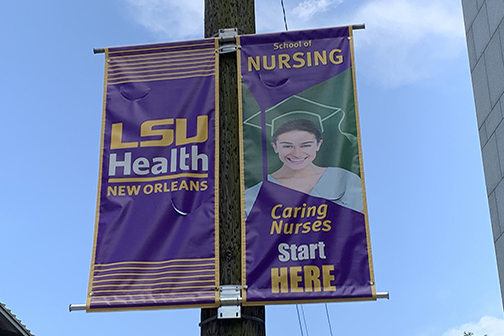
(298, 125)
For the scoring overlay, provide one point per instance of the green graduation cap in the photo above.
(321, 104)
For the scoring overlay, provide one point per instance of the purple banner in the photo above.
(305, 230)
(155, 242)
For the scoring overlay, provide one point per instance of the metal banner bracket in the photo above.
(230, 302)
(227, 40)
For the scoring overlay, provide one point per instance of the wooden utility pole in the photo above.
(221, 14)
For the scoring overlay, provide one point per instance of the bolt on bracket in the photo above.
(230, 302)
(227, 40)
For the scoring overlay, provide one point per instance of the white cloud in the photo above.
(414, 19)
(309, 8)
(406, 41)
(170, 18)
(488, 325)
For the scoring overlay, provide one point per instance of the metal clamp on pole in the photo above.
(382, 295)
(227, 40)
(230, 302)
(75, 307)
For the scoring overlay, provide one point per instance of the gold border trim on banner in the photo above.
(100, 173)
(242, 173)
(215, 44)
(373, 296)
(361, 163)
(217, 179)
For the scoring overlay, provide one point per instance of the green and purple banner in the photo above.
(304, 227)
(156, 231)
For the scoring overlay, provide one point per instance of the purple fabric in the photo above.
(345, 245)
(270, 87)
(158, 228)
(292, 254)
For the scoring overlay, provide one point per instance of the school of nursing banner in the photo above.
(156, 232)
(304, 227)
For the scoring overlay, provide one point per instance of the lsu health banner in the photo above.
(305, 229)
(155, 243)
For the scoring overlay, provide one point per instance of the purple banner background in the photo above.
(146, 227)
(270, 87)
(345, 246)
(345, 240)
(155, 235)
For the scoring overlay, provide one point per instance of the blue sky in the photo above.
(430, 227)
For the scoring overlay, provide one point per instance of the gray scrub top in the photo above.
(336, 184)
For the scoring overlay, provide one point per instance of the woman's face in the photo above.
(296, 149)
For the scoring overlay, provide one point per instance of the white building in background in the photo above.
(484, 28)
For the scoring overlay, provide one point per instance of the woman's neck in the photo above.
(287, 173)
(302, 180)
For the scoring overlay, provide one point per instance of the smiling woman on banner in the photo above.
(297, 142)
